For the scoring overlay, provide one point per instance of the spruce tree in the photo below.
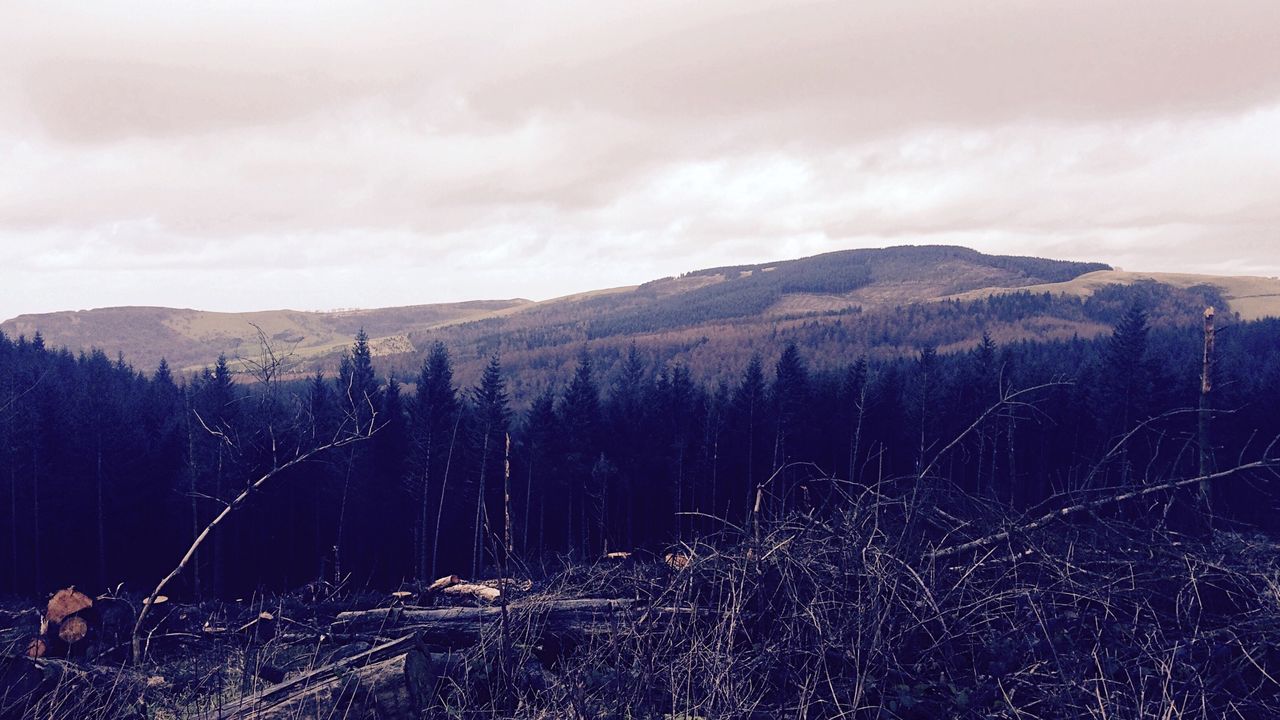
(488, 437)
(579, 415)
(434, 429)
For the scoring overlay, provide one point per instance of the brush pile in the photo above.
(844, 610)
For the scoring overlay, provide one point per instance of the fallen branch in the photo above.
(376, 676)
(240, 500)
(460, 626)
(401, 677)
(1266, 462)
(1006, 399)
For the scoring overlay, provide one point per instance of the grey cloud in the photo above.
(103, 100)
(462, 150)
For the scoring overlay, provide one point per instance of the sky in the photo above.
(239, 155)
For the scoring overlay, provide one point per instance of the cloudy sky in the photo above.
(239, 155)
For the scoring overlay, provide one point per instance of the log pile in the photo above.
(77, 626)
(387, 662)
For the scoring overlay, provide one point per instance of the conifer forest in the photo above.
(1046, 527)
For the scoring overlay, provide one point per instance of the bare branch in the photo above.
(1265, 463)
(218, 520)
(1007, 399)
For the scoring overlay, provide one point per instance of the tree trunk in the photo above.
(424, 516)
(102, 523)
(13, 522)
(1206, 386)
(477, 547)
(857, 434)
(444, 484)
(35, 516)
(528, 503)
(342, 521)
(191, 490)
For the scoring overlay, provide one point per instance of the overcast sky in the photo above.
(238, 155)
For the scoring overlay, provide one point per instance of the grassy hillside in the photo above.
(1253, 298)
(190, 339)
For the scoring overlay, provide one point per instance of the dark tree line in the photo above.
(107, 473)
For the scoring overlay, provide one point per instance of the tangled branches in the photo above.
(929, 603)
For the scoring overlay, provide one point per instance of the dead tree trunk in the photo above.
(1206, 385)
(444, 486)
(477, 545)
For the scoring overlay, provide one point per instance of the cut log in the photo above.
(483, 593)
(73, 630)
(37, 648)
(79, 627)
(69, 621)
(66, 602)
(444, 582)
(463, 626)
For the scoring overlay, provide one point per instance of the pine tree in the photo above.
(1126, 380)
(392, 521)
(358, 383)
(541, 480)
(434, 422)
(790, 399)
(359, 395)
(491, 417)
(1125, 359)
(750, 423)
(579, 416)
(677, 401)
(629, 441)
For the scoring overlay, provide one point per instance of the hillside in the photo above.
(190, 339)
(1252, 298)
(880, 302)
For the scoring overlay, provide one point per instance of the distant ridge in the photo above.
(876, 301)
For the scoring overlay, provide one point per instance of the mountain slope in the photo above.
(882, 301)
(193, 338)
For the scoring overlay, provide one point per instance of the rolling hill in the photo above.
(190, 339)
(878, 302)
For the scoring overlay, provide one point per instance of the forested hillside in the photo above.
(749, 296)
(883, 304)
(109, 471)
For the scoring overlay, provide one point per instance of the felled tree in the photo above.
(358, 425)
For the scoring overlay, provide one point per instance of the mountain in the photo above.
(879, 302)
